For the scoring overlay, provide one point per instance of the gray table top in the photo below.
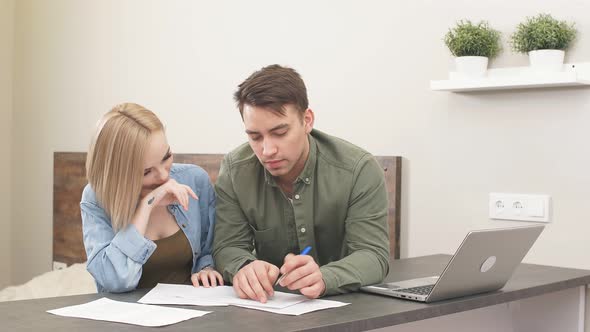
(366, 311)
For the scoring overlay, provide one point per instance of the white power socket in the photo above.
(522, 207)
(59, 265)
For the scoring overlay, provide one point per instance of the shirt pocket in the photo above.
(269, 245)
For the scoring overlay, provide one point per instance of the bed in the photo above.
(68, 249)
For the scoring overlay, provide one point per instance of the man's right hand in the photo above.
(255, 281)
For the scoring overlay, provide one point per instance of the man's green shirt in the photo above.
(338, 207)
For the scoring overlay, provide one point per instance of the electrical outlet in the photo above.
(59, 265)
(521, 207)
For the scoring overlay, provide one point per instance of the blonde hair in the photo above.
(114, 165)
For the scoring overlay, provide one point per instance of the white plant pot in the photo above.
(471, 66)
(546, 60)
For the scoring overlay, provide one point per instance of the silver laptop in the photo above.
(484, 262)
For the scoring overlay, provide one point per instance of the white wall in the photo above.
(367, 66)
(6, 50)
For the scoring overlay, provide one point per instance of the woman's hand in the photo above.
(168, 193)
(208, 277)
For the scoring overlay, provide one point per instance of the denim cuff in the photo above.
(203, 262)
(134, 245)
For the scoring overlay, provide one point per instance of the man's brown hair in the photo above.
(273, 87)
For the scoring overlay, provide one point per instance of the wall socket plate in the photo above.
(521, 207)
(59, 265)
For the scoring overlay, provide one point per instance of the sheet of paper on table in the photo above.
(212, 296)
(131, 313)
(302, 308)
(280, 303)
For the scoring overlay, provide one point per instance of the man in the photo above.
(291, 187)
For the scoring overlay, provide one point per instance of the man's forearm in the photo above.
(363, 267)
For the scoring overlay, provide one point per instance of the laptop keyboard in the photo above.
(422, 290)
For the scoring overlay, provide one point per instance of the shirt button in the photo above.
(297, 196)
(183, 225)
(302, 229)
(306, 180)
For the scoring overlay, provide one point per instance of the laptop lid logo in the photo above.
(488, 264)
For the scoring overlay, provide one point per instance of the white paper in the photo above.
(302, 308)
(130, 313)
(213, 296)
(178, 294)
(280, 303)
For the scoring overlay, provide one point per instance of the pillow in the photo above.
(73, 280)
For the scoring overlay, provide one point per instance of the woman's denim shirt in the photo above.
(115, 259)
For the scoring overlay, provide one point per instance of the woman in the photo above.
(145, 220)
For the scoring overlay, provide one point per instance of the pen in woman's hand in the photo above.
(305, 251)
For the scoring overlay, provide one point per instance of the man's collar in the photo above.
(308, 170)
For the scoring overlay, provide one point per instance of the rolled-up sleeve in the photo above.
(207, 229)
(114, 260)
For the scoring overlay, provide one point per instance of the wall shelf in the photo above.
(573, 74)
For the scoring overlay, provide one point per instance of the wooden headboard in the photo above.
(69, 179)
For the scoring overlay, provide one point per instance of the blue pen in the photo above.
(305, 251)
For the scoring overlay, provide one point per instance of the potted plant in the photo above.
(545, 39)
(473, 45)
